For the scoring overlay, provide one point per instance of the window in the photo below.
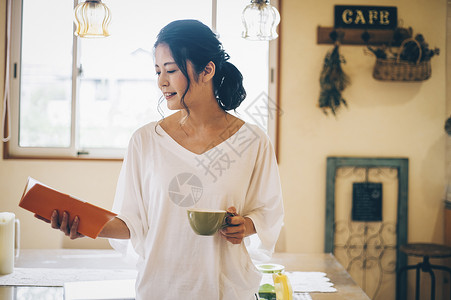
(73, 97)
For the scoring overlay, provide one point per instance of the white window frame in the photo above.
(15, 151)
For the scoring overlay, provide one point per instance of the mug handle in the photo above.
(17, 237)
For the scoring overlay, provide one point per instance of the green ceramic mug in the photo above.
(206, 221)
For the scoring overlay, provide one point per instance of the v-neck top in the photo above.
(160, 179)
(177, 144)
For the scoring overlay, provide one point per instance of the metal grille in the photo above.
(367, 249)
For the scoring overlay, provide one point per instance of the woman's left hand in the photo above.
(237, 227)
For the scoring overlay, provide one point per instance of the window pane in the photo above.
(46, 74)
(118, 88)
(250, 57)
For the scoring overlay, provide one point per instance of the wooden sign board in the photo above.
(367, 201)
(366, 17)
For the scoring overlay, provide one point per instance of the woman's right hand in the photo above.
(70, 230)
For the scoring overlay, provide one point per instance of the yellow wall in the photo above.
(383, 119)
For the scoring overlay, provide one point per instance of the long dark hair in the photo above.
(191, 40)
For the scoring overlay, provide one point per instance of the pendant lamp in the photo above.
(260, 20)
(92, 18)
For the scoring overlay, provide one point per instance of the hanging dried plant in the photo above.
(333, 81)
(448, 126)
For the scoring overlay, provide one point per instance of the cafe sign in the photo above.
(366, 17)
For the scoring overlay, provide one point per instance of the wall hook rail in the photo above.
(348, 36)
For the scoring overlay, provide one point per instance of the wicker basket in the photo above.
(400, 70)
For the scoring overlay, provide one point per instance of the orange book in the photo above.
(43, 200)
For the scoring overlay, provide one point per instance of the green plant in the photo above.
(333, 81)
(409, 52)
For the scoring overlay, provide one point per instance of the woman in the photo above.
(200, 156)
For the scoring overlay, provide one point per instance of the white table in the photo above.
(92, 261)
(347, 289)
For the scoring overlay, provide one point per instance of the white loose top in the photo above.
(160, 179)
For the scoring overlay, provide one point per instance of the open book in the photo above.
(43, 200)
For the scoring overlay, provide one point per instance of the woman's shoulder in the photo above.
(250, 139)
(146, 132)
(145, 129)
(256, 132)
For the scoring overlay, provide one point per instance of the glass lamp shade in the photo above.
(260, 20)
(92, 18)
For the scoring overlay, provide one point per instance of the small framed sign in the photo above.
(367, 201)
(366, 17)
